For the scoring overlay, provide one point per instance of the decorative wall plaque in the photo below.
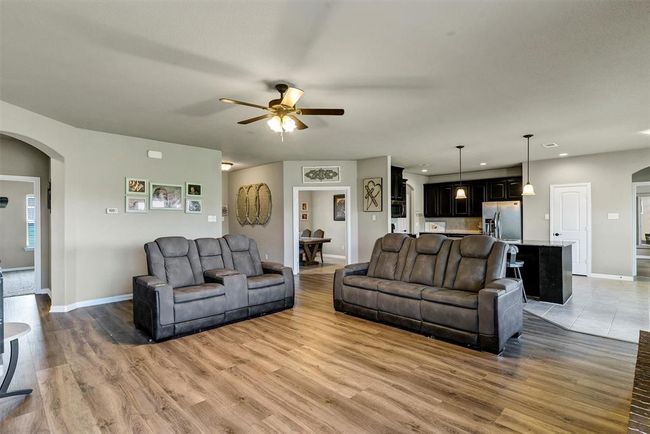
(254, 204)
(323, 174)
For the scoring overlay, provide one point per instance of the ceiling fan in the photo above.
(282, 112)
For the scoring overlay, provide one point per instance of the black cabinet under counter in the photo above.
(547, 271)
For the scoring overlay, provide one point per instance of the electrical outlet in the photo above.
(612, 216)
(212, 218)
(547, 217)
(374, 218)
(112, 211)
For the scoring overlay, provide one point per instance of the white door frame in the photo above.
(635, 226)
(550, 226)
(296, 221)
(36, 181)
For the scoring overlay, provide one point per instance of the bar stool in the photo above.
(516, 267)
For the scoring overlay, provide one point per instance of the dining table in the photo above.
(310, 247)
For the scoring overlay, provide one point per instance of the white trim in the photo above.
(88, 303)
(612, 277)
(329, 255)
(36, 181)
(347, 190)
(5, 270)
(635, 226)
(550, 223)
(45, 291)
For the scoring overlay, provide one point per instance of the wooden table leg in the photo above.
(310, 253)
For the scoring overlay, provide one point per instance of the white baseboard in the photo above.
(612, 277)
(45, 291)
(329, 255)
(5, 270)
(88, 303)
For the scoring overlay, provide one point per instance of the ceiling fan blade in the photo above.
(322, 112)
(234, 101)
(291, 97)
(300, 125)
(255, 119)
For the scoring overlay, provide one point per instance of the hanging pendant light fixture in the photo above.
(528, 188)
(460, 193)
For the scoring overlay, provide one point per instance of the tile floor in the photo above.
(18, 282)
(610, 308)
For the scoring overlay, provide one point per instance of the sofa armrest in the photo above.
(287, 273)
(234, 283)
(359, 269)
(217, 275)
(500, 313)
(156, 295)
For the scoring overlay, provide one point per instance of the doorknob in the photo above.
(556, 234)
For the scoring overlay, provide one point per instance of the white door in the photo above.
(570, 221)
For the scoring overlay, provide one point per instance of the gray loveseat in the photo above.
(197, 284)
(451, 289)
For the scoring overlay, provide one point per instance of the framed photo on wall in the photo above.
(164, 196)
(372, 195)
(304, 216)
(339, 207)
(193, 189)
(304, 207)
(194, 206)
(135, 204)
(136, 186)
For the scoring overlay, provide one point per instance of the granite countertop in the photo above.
(540, 243)
(455, 232)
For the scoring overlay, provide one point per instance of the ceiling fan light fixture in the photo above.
(275, 123)
(288, 124)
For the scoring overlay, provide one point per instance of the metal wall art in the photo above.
(372, 195)
(316, 175)
(254, 204)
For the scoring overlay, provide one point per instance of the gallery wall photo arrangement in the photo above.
(165, 196)
(193, 189)
(136, 186)
(194, 206)
(339, 207)
(322, 174)
(372, 195)
(304, 216)
(135, 204)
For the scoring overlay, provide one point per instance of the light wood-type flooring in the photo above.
(307, 369)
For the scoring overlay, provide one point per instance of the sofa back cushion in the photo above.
(475, 261)
(240, 253)
(210, 253)
(427, 259)
(388, 256)
(174, 260)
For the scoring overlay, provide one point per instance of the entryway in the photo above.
(322, 229)
(20, 250)
(570, 220)
(642, 231)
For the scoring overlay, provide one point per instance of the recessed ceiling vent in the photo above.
(550, 145)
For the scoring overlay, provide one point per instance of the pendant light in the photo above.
(528, 188)
(460, 193)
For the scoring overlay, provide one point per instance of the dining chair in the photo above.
(305, 233)
(319, 233)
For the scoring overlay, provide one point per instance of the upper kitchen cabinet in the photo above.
(497, 189)
(430, 200)
(445, 197)
(397, 184)
(477, 195)
(514, 187)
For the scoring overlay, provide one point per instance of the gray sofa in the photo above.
(451, 289)
(196, 284)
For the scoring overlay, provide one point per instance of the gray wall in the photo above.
(269, 237)
(13, 221)
(322, 204)
(610, 175)
(293, 178)
(20, 159)
(369, 229)
(225, 188)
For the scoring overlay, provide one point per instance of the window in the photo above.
(30, 214)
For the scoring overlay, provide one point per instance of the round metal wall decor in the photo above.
(254, 204)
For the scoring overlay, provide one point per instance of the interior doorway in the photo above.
(570, 220)
(642, 231)
(322, 228)
(20, 231)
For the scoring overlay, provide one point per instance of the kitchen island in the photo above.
(547, 271)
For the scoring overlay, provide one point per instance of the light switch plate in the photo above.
(547, 217)
(212, 218)
(112, 211)
(374, 218)
(612, 216)
(155, 155)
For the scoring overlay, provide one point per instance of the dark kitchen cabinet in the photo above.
(430, 200)
(514, 188)
(497, 190)
(445, 197)
(397, 184)
(477, 195)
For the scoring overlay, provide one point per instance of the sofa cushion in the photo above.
(197, 309)
(404, 307)
(365, 282)
(455, 317)
(266, 294)
(210, 253)
(198, 292)
(171, 247)
(471, 274)
(393, 242)
(402, 289)
(466, 299)
(240, 253)
(360, 297)
(426, 260)
(265, 280)
(476, 246)
(179, 271)
(429, 244)
(388, 256)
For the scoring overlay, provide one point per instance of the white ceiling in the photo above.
(415, 78)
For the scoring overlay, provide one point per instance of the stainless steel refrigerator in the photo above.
(502, 219)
